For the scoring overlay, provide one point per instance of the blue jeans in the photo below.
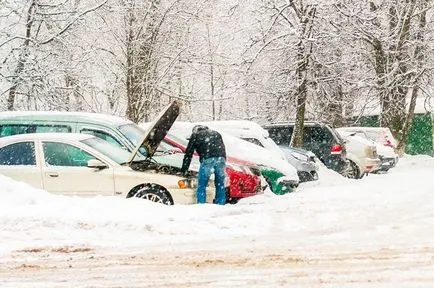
(217, 166)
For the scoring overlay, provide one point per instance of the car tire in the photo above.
(154, 194)
(232, 201)
(352, 171)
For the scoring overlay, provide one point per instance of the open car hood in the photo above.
(157, 131)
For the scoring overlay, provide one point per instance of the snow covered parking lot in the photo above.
(335, 232)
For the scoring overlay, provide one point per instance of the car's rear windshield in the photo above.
(117, 154)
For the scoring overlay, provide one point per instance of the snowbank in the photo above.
(333, 213)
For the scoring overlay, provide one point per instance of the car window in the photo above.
(9, 130)
(103, 135)
(22, 153)
(115, 153)
(317, 135)
(62, 154)
(132, 132)
(281, 135)
(53, 129)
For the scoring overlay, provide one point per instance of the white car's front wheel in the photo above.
(153, 193)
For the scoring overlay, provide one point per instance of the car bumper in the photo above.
(387, 163)
(244, 185)
(371, 165)
(239, 191)
(188, 196)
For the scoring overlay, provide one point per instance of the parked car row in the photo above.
(350, 151)
(110, 156)
(134, 166)
(85, 154)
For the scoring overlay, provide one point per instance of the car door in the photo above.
(18, 161)
(65, 171)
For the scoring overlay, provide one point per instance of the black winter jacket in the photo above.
(207, 143)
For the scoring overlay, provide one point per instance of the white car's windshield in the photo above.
(115, 153)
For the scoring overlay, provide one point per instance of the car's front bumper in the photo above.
(188, 195)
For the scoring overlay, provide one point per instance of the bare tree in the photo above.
(290, 29)
(394, 33)
(45, 24)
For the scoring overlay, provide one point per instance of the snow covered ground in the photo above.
(336, 232)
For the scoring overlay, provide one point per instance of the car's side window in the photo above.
(12, 129)
(103, 135)
(22, 153)
(317, 135)
(53, 129)
(62, 154)
(281, 135)
(9, 130)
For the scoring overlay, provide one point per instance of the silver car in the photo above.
(303, 161)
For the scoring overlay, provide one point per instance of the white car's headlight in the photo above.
(187, 183)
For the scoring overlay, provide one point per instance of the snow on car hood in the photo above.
(157, 130)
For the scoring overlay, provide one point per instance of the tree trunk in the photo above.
(129, 41)
(419, 55)
(24, 53)
(393, 116)
(303, 61)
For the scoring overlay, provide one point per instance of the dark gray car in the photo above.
(303, 161)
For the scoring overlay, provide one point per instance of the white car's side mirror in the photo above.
(94, 163)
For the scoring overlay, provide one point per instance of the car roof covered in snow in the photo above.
(63, 116)
(292, 122)
(45, 136)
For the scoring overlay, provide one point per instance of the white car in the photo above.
(385, 143)
(84, 165)
(361, 154)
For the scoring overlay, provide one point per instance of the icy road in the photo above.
(374, 232)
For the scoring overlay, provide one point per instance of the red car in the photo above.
(244, 177)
